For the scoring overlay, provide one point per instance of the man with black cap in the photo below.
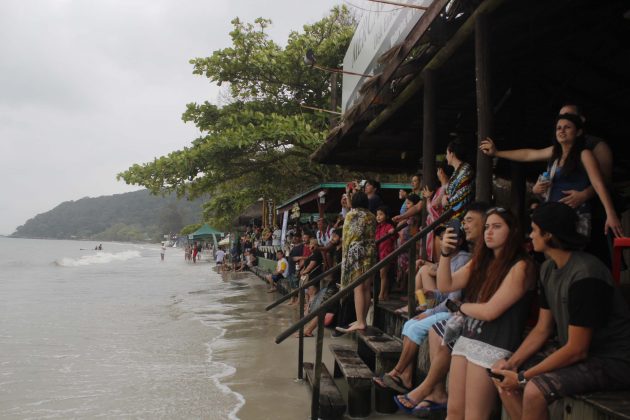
(580, 301)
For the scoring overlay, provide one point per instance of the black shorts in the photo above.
(276, 277)
(590, 375)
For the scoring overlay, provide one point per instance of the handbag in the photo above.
(453, 328)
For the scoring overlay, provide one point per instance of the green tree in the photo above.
(258, 145)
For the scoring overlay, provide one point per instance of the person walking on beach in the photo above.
(218, 258)
(162, 251)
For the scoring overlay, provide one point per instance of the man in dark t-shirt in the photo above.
(578, 299)
(371, 190)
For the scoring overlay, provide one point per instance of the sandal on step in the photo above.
(405, 403)
(426, 410)
(395, 383)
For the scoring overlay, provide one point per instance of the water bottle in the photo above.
(544, 177)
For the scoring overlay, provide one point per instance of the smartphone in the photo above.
(494, 375)
(456, 225)
(452, 305)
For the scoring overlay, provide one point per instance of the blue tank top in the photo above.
(578, 181)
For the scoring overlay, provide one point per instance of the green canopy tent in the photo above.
(206, 232)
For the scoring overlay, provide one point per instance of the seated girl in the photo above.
(496, 285)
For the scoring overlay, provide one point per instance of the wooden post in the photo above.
(334, 99)
(301, 334)
(317, 369)
(429, 140)
(518, 190)
(484, 106)
(429, 130)
(411, 282)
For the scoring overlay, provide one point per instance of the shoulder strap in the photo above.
(552, 173)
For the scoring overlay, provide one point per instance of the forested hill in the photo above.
(134, 216)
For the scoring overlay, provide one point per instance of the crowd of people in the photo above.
(481, 278)
(477, 280)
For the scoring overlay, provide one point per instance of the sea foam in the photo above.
(98, 258)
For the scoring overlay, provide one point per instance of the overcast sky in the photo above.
(90, 87)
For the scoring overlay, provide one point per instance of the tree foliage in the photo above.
(258, 144)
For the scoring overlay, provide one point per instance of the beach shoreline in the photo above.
(265, 372)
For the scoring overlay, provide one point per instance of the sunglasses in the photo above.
(496, 210)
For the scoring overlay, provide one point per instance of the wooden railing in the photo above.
(409, 246)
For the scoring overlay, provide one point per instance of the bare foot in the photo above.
(352, 327)
(271, 290)
(402, 310)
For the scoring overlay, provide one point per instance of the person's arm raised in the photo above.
(488, 148)
(415, 209)
(513, 287)
(447, 281)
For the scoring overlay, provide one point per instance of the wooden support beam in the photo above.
(484, 107)
(334, 99)
(429, 128)
(518, 189)
(436, 62)
(429, 140)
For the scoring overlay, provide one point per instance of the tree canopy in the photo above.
(258, 144)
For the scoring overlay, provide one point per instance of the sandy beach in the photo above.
(266, 372)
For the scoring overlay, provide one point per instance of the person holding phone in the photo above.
(496, 285)
(414, 332)
(430, 394)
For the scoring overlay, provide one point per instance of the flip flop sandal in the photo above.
(425, 410)
(378, 381)
(405, 403)
(395, 383)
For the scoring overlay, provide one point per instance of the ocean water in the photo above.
(110, 334)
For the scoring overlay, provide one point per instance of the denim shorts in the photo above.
(417, 330)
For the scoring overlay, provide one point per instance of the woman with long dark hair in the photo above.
(496, 283)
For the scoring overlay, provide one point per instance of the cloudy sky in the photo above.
(89, 87)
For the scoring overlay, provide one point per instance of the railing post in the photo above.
(318, 367)
(301, 337)
(411, 282)
(376, 290)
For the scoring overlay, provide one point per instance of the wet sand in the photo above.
(266, 372)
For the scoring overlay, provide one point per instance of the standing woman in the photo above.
(358, 256)
(571, 167)
(459, 189)
(496, 284)
(435, 208)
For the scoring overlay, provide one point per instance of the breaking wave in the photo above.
(98, 258)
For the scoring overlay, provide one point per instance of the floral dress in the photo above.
(459, 189)
(359, 245)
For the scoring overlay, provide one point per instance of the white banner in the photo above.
(380, 28)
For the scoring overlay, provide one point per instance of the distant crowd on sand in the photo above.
(481, 277)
